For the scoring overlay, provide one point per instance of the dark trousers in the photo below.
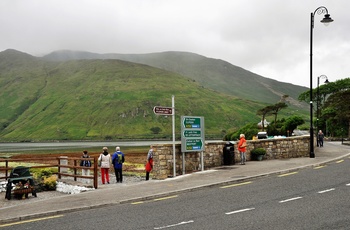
(147, 175)
(320, 141)
(118, 175)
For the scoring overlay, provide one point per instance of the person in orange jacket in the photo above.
(242, 148)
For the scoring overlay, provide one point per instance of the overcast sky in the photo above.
(268, 37)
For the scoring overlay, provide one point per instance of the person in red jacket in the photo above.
(242, 148)
(149, 163)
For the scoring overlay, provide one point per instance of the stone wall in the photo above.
(278, 148)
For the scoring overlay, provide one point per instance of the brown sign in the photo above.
(163, 110)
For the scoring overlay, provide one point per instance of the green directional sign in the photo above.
(194, 144)
(192, 122)
(192, 133)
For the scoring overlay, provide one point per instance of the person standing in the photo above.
(242, 148)
(105, 159)
(85, 163)
(118, 159)
(149, 163)
(320, 137)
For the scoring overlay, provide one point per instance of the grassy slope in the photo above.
(101, 99)
(21, 79)
(214, 74)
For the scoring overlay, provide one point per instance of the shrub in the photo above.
(50, 183)
(249, 130)
(156, 130)
(44, 179)
(42, 173)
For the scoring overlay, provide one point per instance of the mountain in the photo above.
(214, 74)
(106, 99)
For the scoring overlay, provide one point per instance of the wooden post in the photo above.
(75, 170)
(95, 172)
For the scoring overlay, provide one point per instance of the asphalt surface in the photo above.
(111, 194)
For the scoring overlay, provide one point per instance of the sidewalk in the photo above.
(146, 190)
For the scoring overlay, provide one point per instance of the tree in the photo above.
(333, 99)
(292, 123)
(263, 112)
(337, 110)
(249, 130)
(278, 107)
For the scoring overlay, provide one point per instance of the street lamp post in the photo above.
(318, 100)
(327, 19)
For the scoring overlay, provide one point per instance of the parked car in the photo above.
(262, 135)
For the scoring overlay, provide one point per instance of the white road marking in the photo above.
(328, 190)
(174, 225)
(291, 199)
(238, 211)
(347, 184)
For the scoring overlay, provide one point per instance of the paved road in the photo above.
(113, 194)
(311, 198)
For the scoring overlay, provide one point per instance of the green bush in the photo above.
(258, 151)
(44, 179)
(50, 183)
(249, 130)
(43, 172)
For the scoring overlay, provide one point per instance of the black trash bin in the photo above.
(229, 153)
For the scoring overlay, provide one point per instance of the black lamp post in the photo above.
(327, 19)
(318, 100)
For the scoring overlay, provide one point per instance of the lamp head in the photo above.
(326, 81)
(327, 19)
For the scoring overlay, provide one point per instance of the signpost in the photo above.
(192, 138)
(192, 134)
(192, 122)
(159, 110)
(194, 144)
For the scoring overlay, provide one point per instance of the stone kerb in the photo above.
(276, 148)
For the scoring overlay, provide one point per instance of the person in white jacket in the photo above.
(105, 159)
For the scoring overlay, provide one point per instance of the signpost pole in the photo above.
(183, 164)
(202, 160)
(173, 114)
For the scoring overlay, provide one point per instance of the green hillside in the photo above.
(211, 73)
(105, 99)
